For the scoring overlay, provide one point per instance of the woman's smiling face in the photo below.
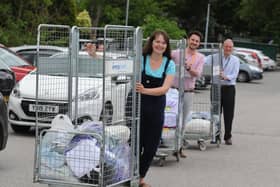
(159, 44)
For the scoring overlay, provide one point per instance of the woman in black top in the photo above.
(157, 76)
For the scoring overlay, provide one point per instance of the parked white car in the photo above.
(265, 61)
(86, 101)
(248, 57)
(271, 64)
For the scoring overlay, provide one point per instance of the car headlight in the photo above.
(16, 91)
(90, 94)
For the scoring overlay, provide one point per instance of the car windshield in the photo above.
(11, 60)
(241, 58)
(60, 66)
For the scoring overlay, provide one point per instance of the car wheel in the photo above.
(106, 115)
(20, 128)
(243, 77)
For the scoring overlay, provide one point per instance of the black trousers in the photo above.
(227, 107)
(151, 123)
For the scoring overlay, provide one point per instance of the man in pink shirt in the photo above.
(193, 67)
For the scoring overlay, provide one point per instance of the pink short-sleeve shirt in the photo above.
(197, 64)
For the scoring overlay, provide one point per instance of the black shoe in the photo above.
(216, 140)
(228, 142)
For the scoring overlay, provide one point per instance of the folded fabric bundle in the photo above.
(91, 126)
(170, 120)
(198, 126)
(114, 135)
(172, 97)
(83, 154)
(168, 136)
(120, 133)
(83, 157)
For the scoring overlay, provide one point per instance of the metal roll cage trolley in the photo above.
(82, 99)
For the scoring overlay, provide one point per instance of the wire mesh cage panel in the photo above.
(93, 142)
(203, 123)
(52, 77)
(173, 109)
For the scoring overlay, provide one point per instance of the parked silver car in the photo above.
(247, 72)
(29, 52)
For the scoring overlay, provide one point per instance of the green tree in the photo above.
(152, 23)
(62, 12)
(262, 18)
(112, 15)
(191, 14)
(139, 9)
(224, 20)
(245, 18)
(95, 9)
(20, 19)
(83, 19)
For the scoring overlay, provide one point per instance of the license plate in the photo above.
(43, 108)
(6, 99)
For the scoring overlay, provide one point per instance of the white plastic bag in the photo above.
(55, 141)
(62, 122)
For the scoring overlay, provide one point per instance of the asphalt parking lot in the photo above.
(252, 160)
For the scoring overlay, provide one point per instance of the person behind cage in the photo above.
(193, 66)
(100, 47)
(228, 74)
(91, 49)
(158, 71)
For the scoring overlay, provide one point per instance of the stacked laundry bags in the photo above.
(76, 154)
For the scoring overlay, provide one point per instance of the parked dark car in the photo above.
(7, 82)
(200, 83)
(3, 123)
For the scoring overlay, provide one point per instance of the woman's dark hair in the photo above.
(148, 49)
